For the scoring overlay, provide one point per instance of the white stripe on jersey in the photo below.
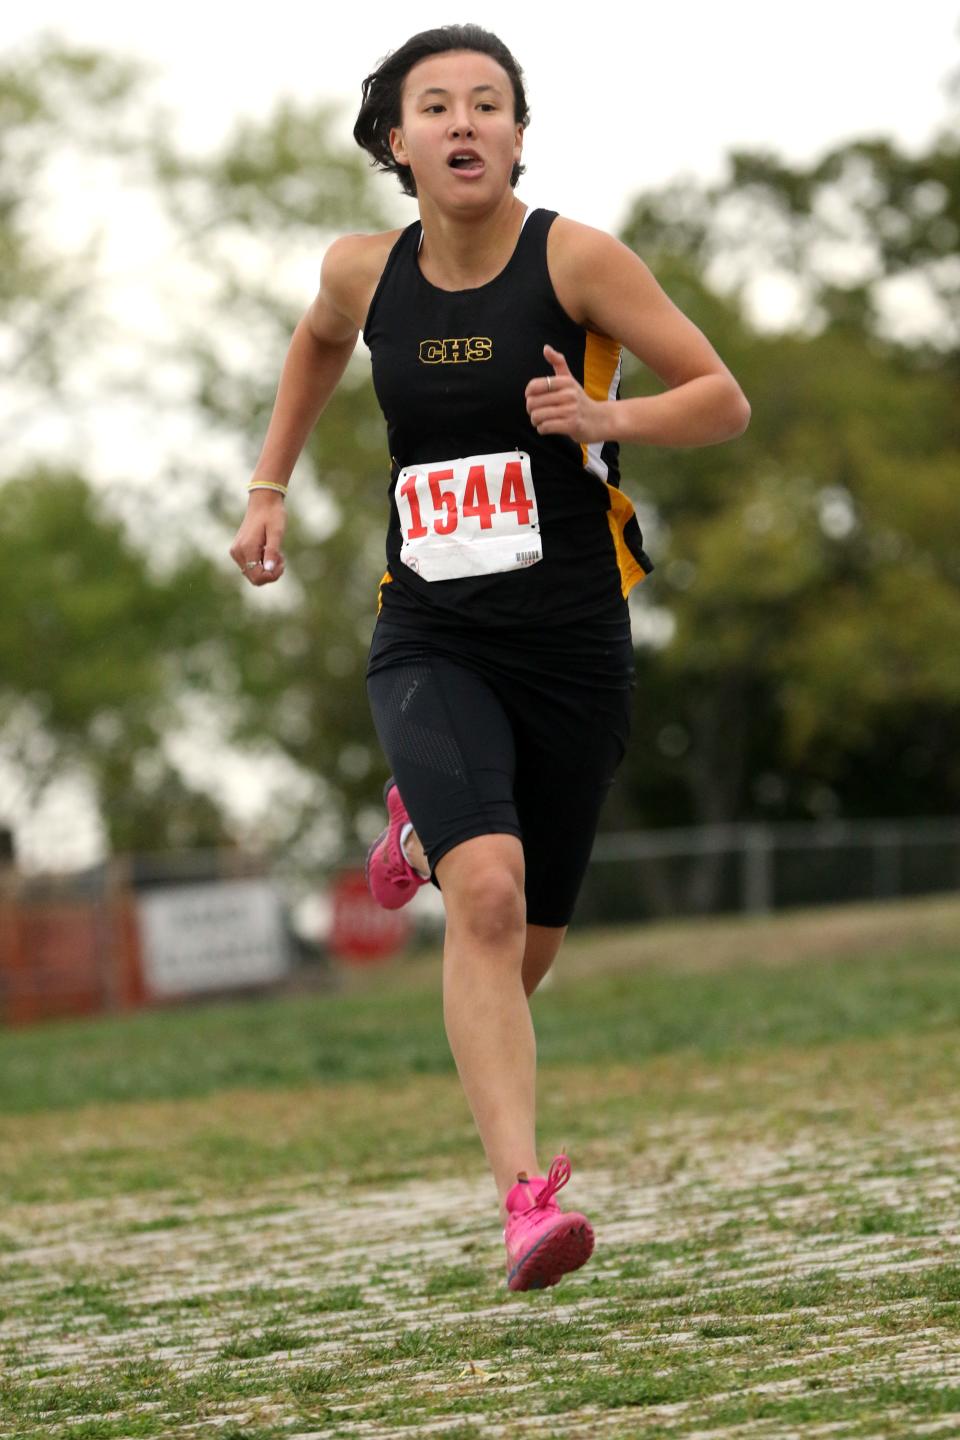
(593, 462)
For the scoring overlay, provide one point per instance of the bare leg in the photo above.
(485, 1005)
(543, 943)
(416, 854)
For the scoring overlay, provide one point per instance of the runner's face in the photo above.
(458, 131)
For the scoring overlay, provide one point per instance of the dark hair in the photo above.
(383, 91)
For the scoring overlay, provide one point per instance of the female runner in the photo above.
(501, 666)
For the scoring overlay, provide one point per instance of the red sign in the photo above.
(362, 930)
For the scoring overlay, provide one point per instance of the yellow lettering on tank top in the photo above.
(457, 350)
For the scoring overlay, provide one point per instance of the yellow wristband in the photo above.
(266, 485)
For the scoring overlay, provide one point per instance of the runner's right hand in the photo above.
(256, 547)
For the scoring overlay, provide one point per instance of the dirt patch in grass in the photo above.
(777, 1217)
(783, 939)
(764, 1277)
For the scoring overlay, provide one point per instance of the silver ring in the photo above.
(549, 378)
(252, 564)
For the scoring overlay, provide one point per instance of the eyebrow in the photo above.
(439, 90)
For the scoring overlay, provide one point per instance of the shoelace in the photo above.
(557, 1177)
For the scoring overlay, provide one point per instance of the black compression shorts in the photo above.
(501, 739)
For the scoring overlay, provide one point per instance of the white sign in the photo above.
(218, 936)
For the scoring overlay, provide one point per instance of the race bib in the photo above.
(472, 516)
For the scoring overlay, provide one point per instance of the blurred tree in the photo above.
(97, 658)
(55, 102)
(866, 238)
(809, 570)
(98, 655)
(257, 216)
(189, 627)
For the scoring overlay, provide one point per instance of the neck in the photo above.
(462, 251)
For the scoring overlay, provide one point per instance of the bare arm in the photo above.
(319, 352)
(608, 289)
(318, 355)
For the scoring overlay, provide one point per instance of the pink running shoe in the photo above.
(391, 879)
(543, 1241)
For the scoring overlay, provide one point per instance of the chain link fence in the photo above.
(146, 928)
(714, 869)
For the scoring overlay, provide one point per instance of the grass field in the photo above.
(273, 1218)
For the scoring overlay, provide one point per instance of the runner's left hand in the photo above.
(564, 408)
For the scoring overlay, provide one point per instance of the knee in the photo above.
(487, 905)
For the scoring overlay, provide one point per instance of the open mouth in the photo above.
(466, 162)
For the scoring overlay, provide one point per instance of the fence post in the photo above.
(885, 844)
(757, 870)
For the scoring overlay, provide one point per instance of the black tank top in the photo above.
(450, 369)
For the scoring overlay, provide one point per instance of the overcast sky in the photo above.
(622, 97)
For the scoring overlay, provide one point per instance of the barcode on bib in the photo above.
(527, 557)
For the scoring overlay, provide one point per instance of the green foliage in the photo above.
(95, 655)
(841, 229)
(810, 568)
(286, 174)
(303, 680)
(904, 209)
(51, 98)
(99, 656)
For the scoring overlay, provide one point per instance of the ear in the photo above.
(518, 144)
(398, 146)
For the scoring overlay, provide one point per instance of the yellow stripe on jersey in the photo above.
(620, 512)
(387, 578)
(601, 376)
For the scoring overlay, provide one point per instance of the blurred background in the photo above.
(189, 776)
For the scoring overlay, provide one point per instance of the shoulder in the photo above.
(353, 255)
(351, 271)
(581, 259)
(581, 247)
(605, 287)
